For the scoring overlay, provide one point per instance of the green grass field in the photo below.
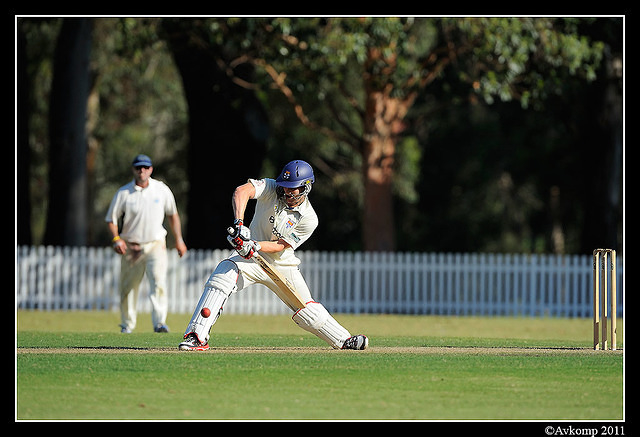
(77, 366)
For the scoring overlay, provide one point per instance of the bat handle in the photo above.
(230, 230)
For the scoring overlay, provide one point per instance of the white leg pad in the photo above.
(316, 319)
(219, 286)
(213, 300)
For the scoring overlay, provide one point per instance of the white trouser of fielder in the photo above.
(235, 274)
(150, 258)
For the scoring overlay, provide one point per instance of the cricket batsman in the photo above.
(283, 220)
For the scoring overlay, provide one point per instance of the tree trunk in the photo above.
(23, 151)
(383, 122)
(67, 213)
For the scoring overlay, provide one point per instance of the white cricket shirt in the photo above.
(142, 211)
(273, 220)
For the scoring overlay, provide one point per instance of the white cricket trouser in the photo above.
(235, 274)
(314, 318)
(150, 258)
(252, 273)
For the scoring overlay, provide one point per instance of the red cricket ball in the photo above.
(205, 312)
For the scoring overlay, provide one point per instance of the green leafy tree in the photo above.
(355, 79)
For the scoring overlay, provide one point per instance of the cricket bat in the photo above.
(285, 289)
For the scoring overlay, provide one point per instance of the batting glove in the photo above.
(240, 230)
(248, 249)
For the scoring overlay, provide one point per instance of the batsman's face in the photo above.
(292, 197)
(142, 174)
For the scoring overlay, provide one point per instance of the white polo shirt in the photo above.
(143, 211)
(273, 220)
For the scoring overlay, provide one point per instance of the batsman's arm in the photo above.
(273, 246)
(241, 196)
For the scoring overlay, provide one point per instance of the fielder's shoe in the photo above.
(191, 343)
(161, 327)
(358, 342)
(125, 330)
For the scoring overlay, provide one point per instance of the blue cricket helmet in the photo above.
(296, 174)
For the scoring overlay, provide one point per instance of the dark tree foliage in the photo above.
(227, 134)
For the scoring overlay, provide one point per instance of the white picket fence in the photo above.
(82, 278)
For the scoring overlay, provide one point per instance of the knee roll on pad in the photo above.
(316, 319)
(224, 277)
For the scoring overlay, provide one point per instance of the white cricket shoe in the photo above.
(358, 342)
(191, 343)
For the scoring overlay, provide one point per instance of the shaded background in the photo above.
(473, 170)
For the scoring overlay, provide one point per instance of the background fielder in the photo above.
(283, 220)
(142, 205)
